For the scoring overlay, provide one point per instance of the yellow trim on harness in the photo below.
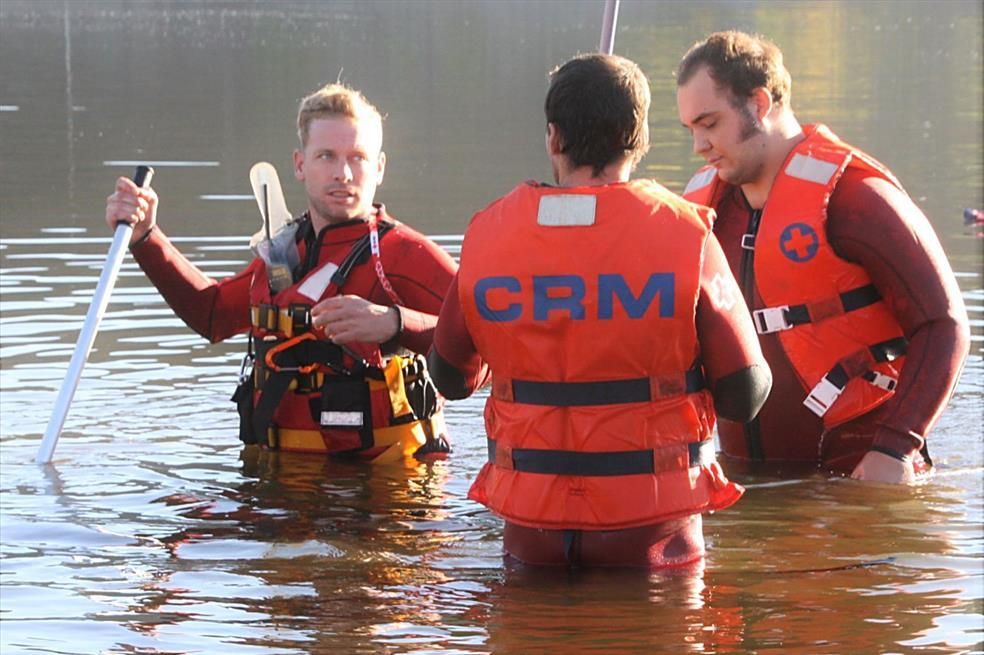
(403, 440)
(393, 373)
(272, 318)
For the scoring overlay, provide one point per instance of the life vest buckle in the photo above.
(771, 319)
(822, 396)
(748, 241)
(881, 380)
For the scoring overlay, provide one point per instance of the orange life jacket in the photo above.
(309, 394)
(583, 301)
(840, 336)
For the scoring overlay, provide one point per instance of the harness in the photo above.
(339, 384)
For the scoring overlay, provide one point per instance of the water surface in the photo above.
(156, 532)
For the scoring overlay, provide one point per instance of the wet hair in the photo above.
(599, 105)
(333, 101)
(739, 63)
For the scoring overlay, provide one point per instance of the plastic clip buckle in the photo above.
(771, 319)
(748, 241)
(881, 380)
(822, 396)
(245, 370)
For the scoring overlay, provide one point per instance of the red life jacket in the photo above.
(841, 338)
(583, 302)
(312, 395)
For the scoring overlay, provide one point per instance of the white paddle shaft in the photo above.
(87, 336)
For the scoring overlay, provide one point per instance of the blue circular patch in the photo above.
(799, 242)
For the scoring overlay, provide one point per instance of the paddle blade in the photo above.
(264, 174)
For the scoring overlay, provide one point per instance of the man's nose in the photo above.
(343, 172)
(701, 145)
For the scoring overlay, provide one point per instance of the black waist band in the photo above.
(606, 392)
(570, 462)
(850, 300)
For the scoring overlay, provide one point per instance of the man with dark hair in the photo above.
(857, 310)
(613, 330)
(336, 350)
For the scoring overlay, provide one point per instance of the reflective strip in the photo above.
(810, 169)
(567, 210)
(700, 180)
(341, 419)
(314, 286)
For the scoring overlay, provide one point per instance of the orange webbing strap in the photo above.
(268, 359)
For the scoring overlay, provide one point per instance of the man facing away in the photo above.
(334, 346)
(857, 310)
(613, 329)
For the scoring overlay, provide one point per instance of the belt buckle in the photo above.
(881, 380)
(771, 319)
(822, 396)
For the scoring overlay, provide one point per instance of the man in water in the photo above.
(857, 310)
(334, 347)
(613, 330)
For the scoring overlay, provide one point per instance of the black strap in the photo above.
(753, 440)
(746, 277)
(850, 300)
(571, 462)
(605, 392)
(275, 383)
(358, 254)
(884, 351)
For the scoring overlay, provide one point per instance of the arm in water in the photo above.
(878, 227)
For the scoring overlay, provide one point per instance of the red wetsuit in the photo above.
(875, 225)
(727, 346)
(418, 270)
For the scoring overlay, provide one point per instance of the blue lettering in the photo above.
(613, 284)
(565, 293)
(482, 287)
(544, 303)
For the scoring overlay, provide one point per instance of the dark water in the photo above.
(154, 532)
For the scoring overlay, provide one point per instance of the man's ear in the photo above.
(555, 146)
(763, 104)
(381, 169)
(299, 165)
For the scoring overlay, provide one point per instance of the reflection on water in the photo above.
(155, 532)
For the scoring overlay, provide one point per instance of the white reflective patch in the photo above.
(566, 210)
(316, 283)
(700, 180)
(723, 292)
(810, 169)
(342, 419)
